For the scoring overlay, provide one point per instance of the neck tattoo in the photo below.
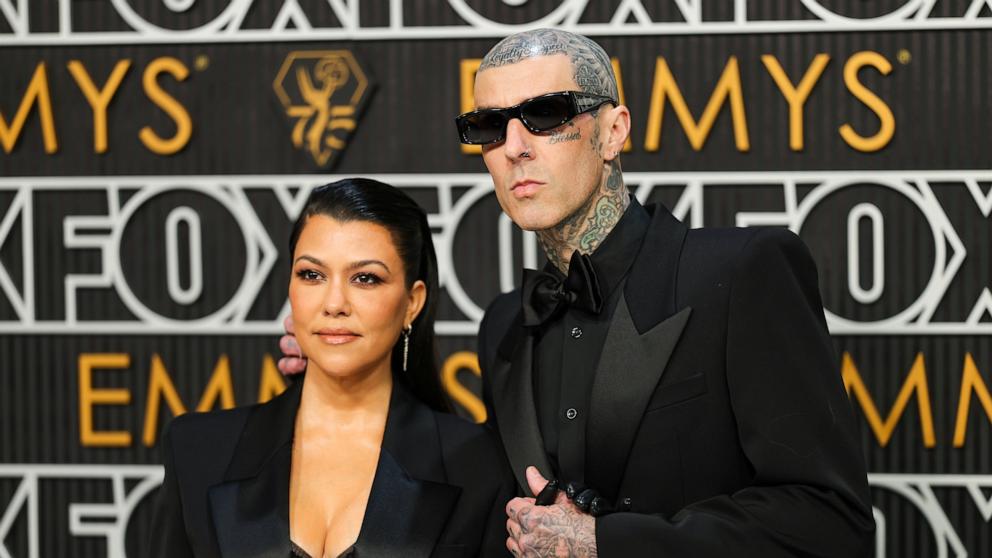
(585, 229)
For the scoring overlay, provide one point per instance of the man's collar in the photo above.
(614, 256)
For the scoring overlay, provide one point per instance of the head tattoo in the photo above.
(591, 67)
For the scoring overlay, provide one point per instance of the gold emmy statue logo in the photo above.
(322, 92)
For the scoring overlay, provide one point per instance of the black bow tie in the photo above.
(545, 294)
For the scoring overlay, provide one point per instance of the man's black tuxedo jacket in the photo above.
(440, 486)
(717, 413)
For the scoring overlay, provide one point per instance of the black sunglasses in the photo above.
(539, 114)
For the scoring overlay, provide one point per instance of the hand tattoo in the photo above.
(559, 531)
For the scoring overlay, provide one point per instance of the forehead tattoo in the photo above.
(591, 67)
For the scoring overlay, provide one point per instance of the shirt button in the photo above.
(576, 332)
(571, 413)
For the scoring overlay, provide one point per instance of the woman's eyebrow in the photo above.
(353, 265)
(310, 259)
(363, 263)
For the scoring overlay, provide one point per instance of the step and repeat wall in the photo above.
(156, 152)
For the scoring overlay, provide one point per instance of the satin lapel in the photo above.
(629, 370)
(251, 515)
(410, 502)
(645, 328)
(650, 289)
(404, 516)
(251, 508)
(513, 396)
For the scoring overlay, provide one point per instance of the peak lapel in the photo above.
(650, 289)
(251, 516)
(644, 330)
(410, 502)
(405, 516)
(250, 508)
(628, 373)
(513, 396)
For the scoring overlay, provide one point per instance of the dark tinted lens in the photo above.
(483, 127)
(547, 112)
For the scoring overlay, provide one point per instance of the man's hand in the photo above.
(293, 360)
(558, 530)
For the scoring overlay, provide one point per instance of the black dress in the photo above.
(297, 552)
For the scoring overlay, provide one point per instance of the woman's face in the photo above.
(348, 295)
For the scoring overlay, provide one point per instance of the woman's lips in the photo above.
(337, 336)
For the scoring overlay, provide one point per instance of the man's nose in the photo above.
(518, 140)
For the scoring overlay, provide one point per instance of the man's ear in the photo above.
(418, 297)
(618, 120)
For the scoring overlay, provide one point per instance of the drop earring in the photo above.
(406, 344)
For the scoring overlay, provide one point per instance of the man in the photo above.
(681, 383)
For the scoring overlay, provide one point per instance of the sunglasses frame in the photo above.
(580, 103)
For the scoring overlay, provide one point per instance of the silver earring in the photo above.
(406, 344)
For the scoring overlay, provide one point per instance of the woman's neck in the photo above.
(328, 399)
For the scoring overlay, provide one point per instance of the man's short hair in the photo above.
(591, 66)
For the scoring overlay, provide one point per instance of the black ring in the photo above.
(548, 494)
(584, 499)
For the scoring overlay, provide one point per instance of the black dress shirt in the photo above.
(568, 348)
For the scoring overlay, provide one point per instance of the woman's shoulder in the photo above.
(199, 424)
(469, 448)
(209, 426)
(206, 433)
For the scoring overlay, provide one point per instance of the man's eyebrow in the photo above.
(485, 107)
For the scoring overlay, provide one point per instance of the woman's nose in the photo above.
(336, 300)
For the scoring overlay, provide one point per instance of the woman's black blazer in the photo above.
(439, 489)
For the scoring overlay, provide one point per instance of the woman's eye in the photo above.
(308, 275)
(367, 279)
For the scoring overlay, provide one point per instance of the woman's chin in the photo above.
(339, 368)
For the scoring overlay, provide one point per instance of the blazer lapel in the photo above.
(410, 502)
(404, 515)
(513, 396)
(644, 331)
(650, 289)
(250, 508)
(408, 507)
(629, 371)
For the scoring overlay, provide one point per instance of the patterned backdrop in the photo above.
(156, 152)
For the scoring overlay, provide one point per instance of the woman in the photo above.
(359, 458)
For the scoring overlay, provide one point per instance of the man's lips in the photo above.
(337, 336)
(525, 188)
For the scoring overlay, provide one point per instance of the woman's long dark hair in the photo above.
(362, 199)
